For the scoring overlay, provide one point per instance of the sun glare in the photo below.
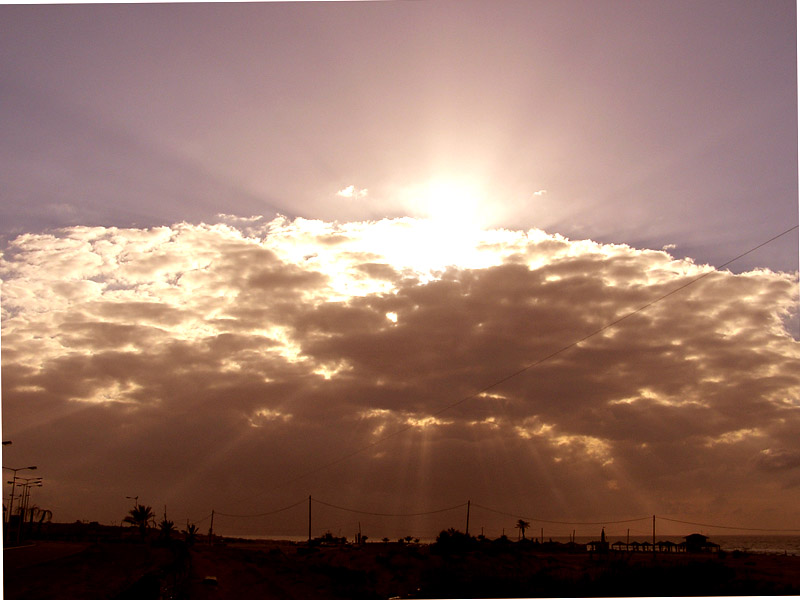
(445, 224)
(451, 203)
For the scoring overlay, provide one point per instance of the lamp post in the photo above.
(13, 481)
(24, 498)
(29, 482)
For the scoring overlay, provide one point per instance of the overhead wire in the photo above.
(198, 521)
(536, 363)
(264, 514)
(726, 526)
(504, 379)
(504, 513)
(609, 325)
(377, 514)
(537, 520)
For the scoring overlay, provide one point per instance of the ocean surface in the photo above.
(770, 544)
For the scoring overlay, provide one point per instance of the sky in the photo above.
(402, 255)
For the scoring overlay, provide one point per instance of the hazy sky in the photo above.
(649, 123)
(244, 241)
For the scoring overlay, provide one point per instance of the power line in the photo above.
(608, 325)
(506, 514)
(537, 520)
(377, 514)
(197, 522)
(726, 526)
(272, 512)
(536, 363)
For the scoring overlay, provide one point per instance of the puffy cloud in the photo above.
(352, 192)
(209, 366)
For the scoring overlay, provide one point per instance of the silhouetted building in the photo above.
(619, 546)
(600, 547)
(667, 546)
(697, 542)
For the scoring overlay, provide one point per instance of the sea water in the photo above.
(760, 544)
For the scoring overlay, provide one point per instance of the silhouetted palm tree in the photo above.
(140, 516)
(522, 526)
(45, 516)
(191, 533)
(167, 527)
(42, 514)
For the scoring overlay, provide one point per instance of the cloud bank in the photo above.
(210, 366)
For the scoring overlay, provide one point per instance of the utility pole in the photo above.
(654, 535)
(309, 518)
(13, 484)
(468, 501)
(211, 529)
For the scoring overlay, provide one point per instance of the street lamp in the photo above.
(13, 481)
(24, 499)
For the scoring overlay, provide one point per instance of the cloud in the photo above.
(352, 192)
(179, 362)
(540, 193)
(238, 219)
(779, 459)
(668, 247)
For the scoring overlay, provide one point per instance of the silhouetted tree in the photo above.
(140, 516)
(45, 516)
(451, 540)
(522, 526)
(42, 514)
(191, 533)
(167, 527)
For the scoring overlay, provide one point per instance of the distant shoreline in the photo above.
(754, 544)
(778, 544)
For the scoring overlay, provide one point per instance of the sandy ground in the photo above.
(285, 571)
(388, 570)
(15, 558)
(49, 570)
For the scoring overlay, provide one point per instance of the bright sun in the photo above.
(448, 223)
(451, 203)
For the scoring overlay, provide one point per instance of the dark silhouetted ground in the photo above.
(131, 568)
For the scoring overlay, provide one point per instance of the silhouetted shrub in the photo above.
(452, 541)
